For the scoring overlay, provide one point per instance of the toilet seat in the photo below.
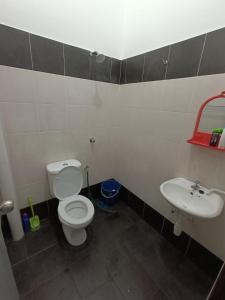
(76, 211)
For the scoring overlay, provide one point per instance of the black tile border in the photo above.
(24, 50)
(198, 254)
(18, 49)
(218, 289)
(203, 52)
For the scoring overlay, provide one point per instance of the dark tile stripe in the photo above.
(213, 55)
(185, 57)
(14, 48)
(155, 64)
(77, 62)
(218, 289)
(201, 55)
(47, 55)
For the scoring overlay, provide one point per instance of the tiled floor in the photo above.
(124, 258)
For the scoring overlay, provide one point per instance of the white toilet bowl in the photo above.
(75, 211)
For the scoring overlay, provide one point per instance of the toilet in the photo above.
(75, 211)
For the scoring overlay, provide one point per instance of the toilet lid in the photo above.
(76, 209)
(68, 182)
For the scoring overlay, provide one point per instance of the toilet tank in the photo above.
(54, 168)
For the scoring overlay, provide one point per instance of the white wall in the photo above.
(154, 120)
(49, 118)
(151, 24)
(94, 25)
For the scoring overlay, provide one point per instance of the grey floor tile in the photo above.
(134, 282)
(60, 287)
(29, 296)
(107, 291)
(114, 256)
(47, 264)
(159, 296)
(194, 279)
(24, 277)
(41, 239)
(89, 274)
(17, 251)
(123, 256)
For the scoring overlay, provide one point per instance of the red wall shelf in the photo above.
(200, 138)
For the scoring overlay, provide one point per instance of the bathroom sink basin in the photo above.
(179, 193)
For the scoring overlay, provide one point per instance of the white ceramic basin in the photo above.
(197, 203)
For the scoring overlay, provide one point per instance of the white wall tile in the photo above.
(52, 116)
(50, 88)
(17, 85)
(20, 117)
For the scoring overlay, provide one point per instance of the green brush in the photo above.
(34, 220)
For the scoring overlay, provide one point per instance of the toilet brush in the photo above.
(34, 220)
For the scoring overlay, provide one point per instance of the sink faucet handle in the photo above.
(197, 182)
(195, 186)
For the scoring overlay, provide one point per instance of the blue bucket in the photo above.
(109, 191)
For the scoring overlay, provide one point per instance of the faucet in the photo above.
(196, 185)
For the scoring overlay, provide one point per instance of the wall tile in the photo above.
(136, 203)
(77, 62)
(184, 58)
(218, 291)
(154, 218)
(83, 95)
(77, 117)
(155, 64)
(204, 259)
(14, 48)
(181, 242)
(28, 163)
(123, 71)
(100, 71)
(51, 88)
(47, 55)
(17, 85)
(52, 117)
(213, 54)
(115, 71)
(41, 209)
(20, 117)
(134, 68)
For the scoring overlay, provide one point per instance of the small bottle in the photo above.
(26, 223)
(222, 140)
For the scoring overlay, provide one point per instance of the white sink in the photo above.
(198, 203)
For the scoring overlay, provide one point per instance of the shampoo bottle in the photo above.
(222, 140)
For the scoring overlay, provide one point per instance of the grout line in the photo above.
(64, 62)
(168, 61)
(110, 72)
(33, 255)
(163, 223)
(120, 72)
(90, 67)
(31, 56)
(203, 48)
(143, 69)
(188, 246)
(215, 282)
(125, 72)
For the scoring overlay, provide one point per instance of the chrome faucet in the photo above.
(196, 185)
